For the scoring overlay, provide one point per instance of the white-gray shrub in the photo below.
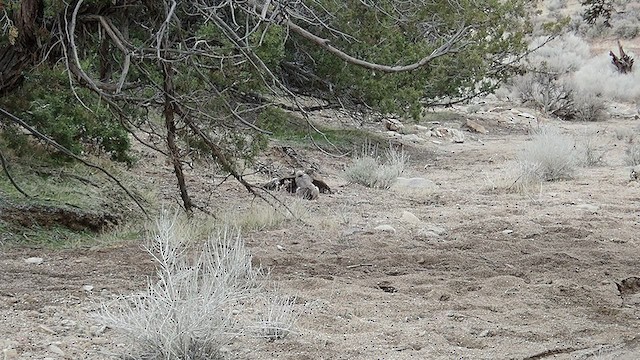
(561, 55)
(590, 148)
(599, 76)
(633, 154)
(550, 155)
(372, 170)
(186, 312)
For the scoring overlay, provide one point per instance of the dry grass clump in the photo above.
(590, 148)
(519, 178)
(375, 171)
(263, 216)
(190, 310)
(551, 154)
(633, 154)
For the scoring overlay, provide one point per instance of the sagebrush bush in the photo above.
(590, 148)
(519, 177)
(586, 106)
(551, 154)
(190, 310)
(371, 170)
(560, 56)
(633, 154)
(599, 76)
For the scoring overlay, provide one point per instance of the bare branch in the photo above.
(447, 48)
(5, 168)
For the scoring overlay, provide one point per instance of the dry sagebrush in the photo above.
(190, 310)
(375, 171)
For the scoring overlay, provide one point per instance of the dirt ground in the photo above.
(483, 274)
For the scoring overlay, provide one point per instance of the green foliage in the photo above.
(53, 110)
(289, 127)
(596, 9)
(497, 30)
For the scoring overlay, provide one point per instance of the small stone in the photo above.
(393, 125)
(352, 231)
(437, 230)
(56, 350)
(588, 207)
(385, 228)
(87, 288)
(409, 217)
(34, 260)
(474, 126)
(46, 329)
(507, 231)
(97, 330)
(413, 138)
(235, 312)
(9, 354)
(68, 323)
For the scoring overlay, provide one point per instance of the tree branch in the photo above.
(447, 48)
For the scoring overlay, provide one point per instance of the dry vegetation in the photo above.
(512, 252)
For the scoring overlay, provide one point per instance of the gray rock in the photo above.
(431, 230)
(97, 330)
(413, 138)
(87, 288)
(56, 350)
(9, 354)
(588, 207)
(409, 217)
(385, 228)
(475, 126)
(34, 260)
(46, 329)
(413, 183)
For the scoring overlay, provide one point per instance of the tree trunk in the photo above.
(22, 51)
(624, 63)
(170, 124)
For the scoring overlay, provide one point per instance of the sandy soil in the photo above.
(509, 276)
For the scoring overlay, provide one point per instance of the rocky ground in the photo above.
(455, 269)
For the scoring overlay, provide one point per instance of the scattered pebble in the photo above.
(409, 217)
(385, 228)
(9, 354)
(56, 350)
(97, 330)
(588, 207)
(87, 288)
(507, 231)
(34, 260)
(46, 329)
(68, 323)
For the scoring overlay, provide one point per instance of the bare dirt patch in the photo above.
(483, 275)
